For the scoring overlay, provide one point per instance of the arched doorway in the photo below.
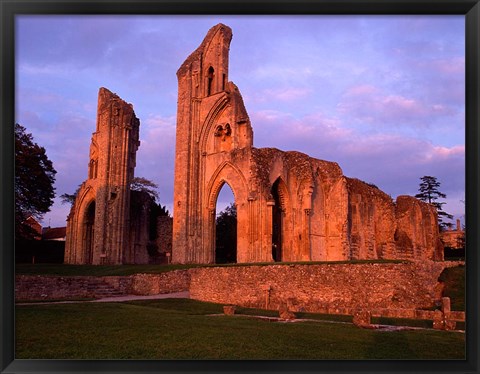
(225, 227)
(277, 223)
(89, 232)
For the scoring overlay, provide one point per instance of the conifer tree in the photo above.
(430, 193)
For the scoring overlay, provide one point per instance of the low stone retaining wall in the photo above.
(322, 288)
(43, 287)
(399, 290)
(153, 284)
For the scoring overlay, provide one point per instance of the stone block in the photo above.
(362, 318)
(229, 310)
(446, 305)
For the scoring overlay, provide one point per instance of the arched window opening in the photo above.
(225, 227)
(91, 168)
(92, 174)
(277, 223)
(210, 76)
(89, 232)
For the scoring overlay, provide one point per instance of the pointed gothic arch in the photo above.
(88, 237)
(225, 228)
(281, 221)
(229, 174)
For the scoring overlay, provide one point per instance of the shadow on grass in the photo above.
(186, 329)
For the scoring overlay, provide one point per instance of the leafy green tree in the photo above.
(226, 235)
(430, 193)
(34, 180)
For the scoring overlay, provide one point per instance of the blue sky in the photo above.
(381, 95)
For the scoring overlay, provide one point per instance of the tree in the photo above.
(144, 185)
(139, 184)
(226, 235)
(429, 192)
(70, 198)
(34, 180)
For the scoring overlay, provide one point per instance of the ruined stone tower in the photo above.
(211, 122)
(290, 207)
(98, 227)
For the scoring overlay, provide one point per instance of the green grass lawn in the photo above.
(185, 329)
(105, 270)
(94, 270)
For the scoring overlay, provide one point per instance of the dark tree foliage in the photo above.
(144, 185)
(429, 192)
(226, 236)
(70, 198)
(139, 184)
(162, 211)
(34, 179)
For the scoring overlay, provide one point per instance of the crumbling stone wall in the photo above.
(329, 288)
(40, 287)
(98, 230)
(417, 234)
(139, 236)
(453, 238)
(164, 232)
(290, 207)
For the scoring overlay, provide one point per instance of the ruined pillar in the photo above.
(98, 224)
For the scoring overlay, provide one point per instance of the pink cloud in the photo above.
(393, 162)
(372, 105)
(361, 90)
(448, 66)
(286, 94)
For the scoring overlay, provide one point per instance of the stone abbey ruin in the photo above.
(290, 207)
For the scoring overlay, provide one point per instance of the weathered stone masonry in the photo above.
(109, 223)
(290, 207)
(98, 226)
(329, 288)
(36, 287)
(386, 289)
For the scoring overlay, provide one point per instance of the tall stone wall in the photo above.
(290, 207)
(98, 223)
(371, 221)
(140, 220)
(164, 239)
(417, 234)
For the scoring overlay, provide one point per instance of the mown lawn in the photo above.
(94, 270)
(105, 270)
(184, 329)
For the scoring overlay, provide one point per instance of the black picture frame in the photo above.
(9, 9)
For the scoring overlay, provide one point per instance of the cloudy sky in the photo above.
(381, 95)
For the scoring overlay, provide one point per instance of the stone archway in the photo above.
(277, 223)
(281, 225)
(89, 233)
(225, 228)
(227, 174)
